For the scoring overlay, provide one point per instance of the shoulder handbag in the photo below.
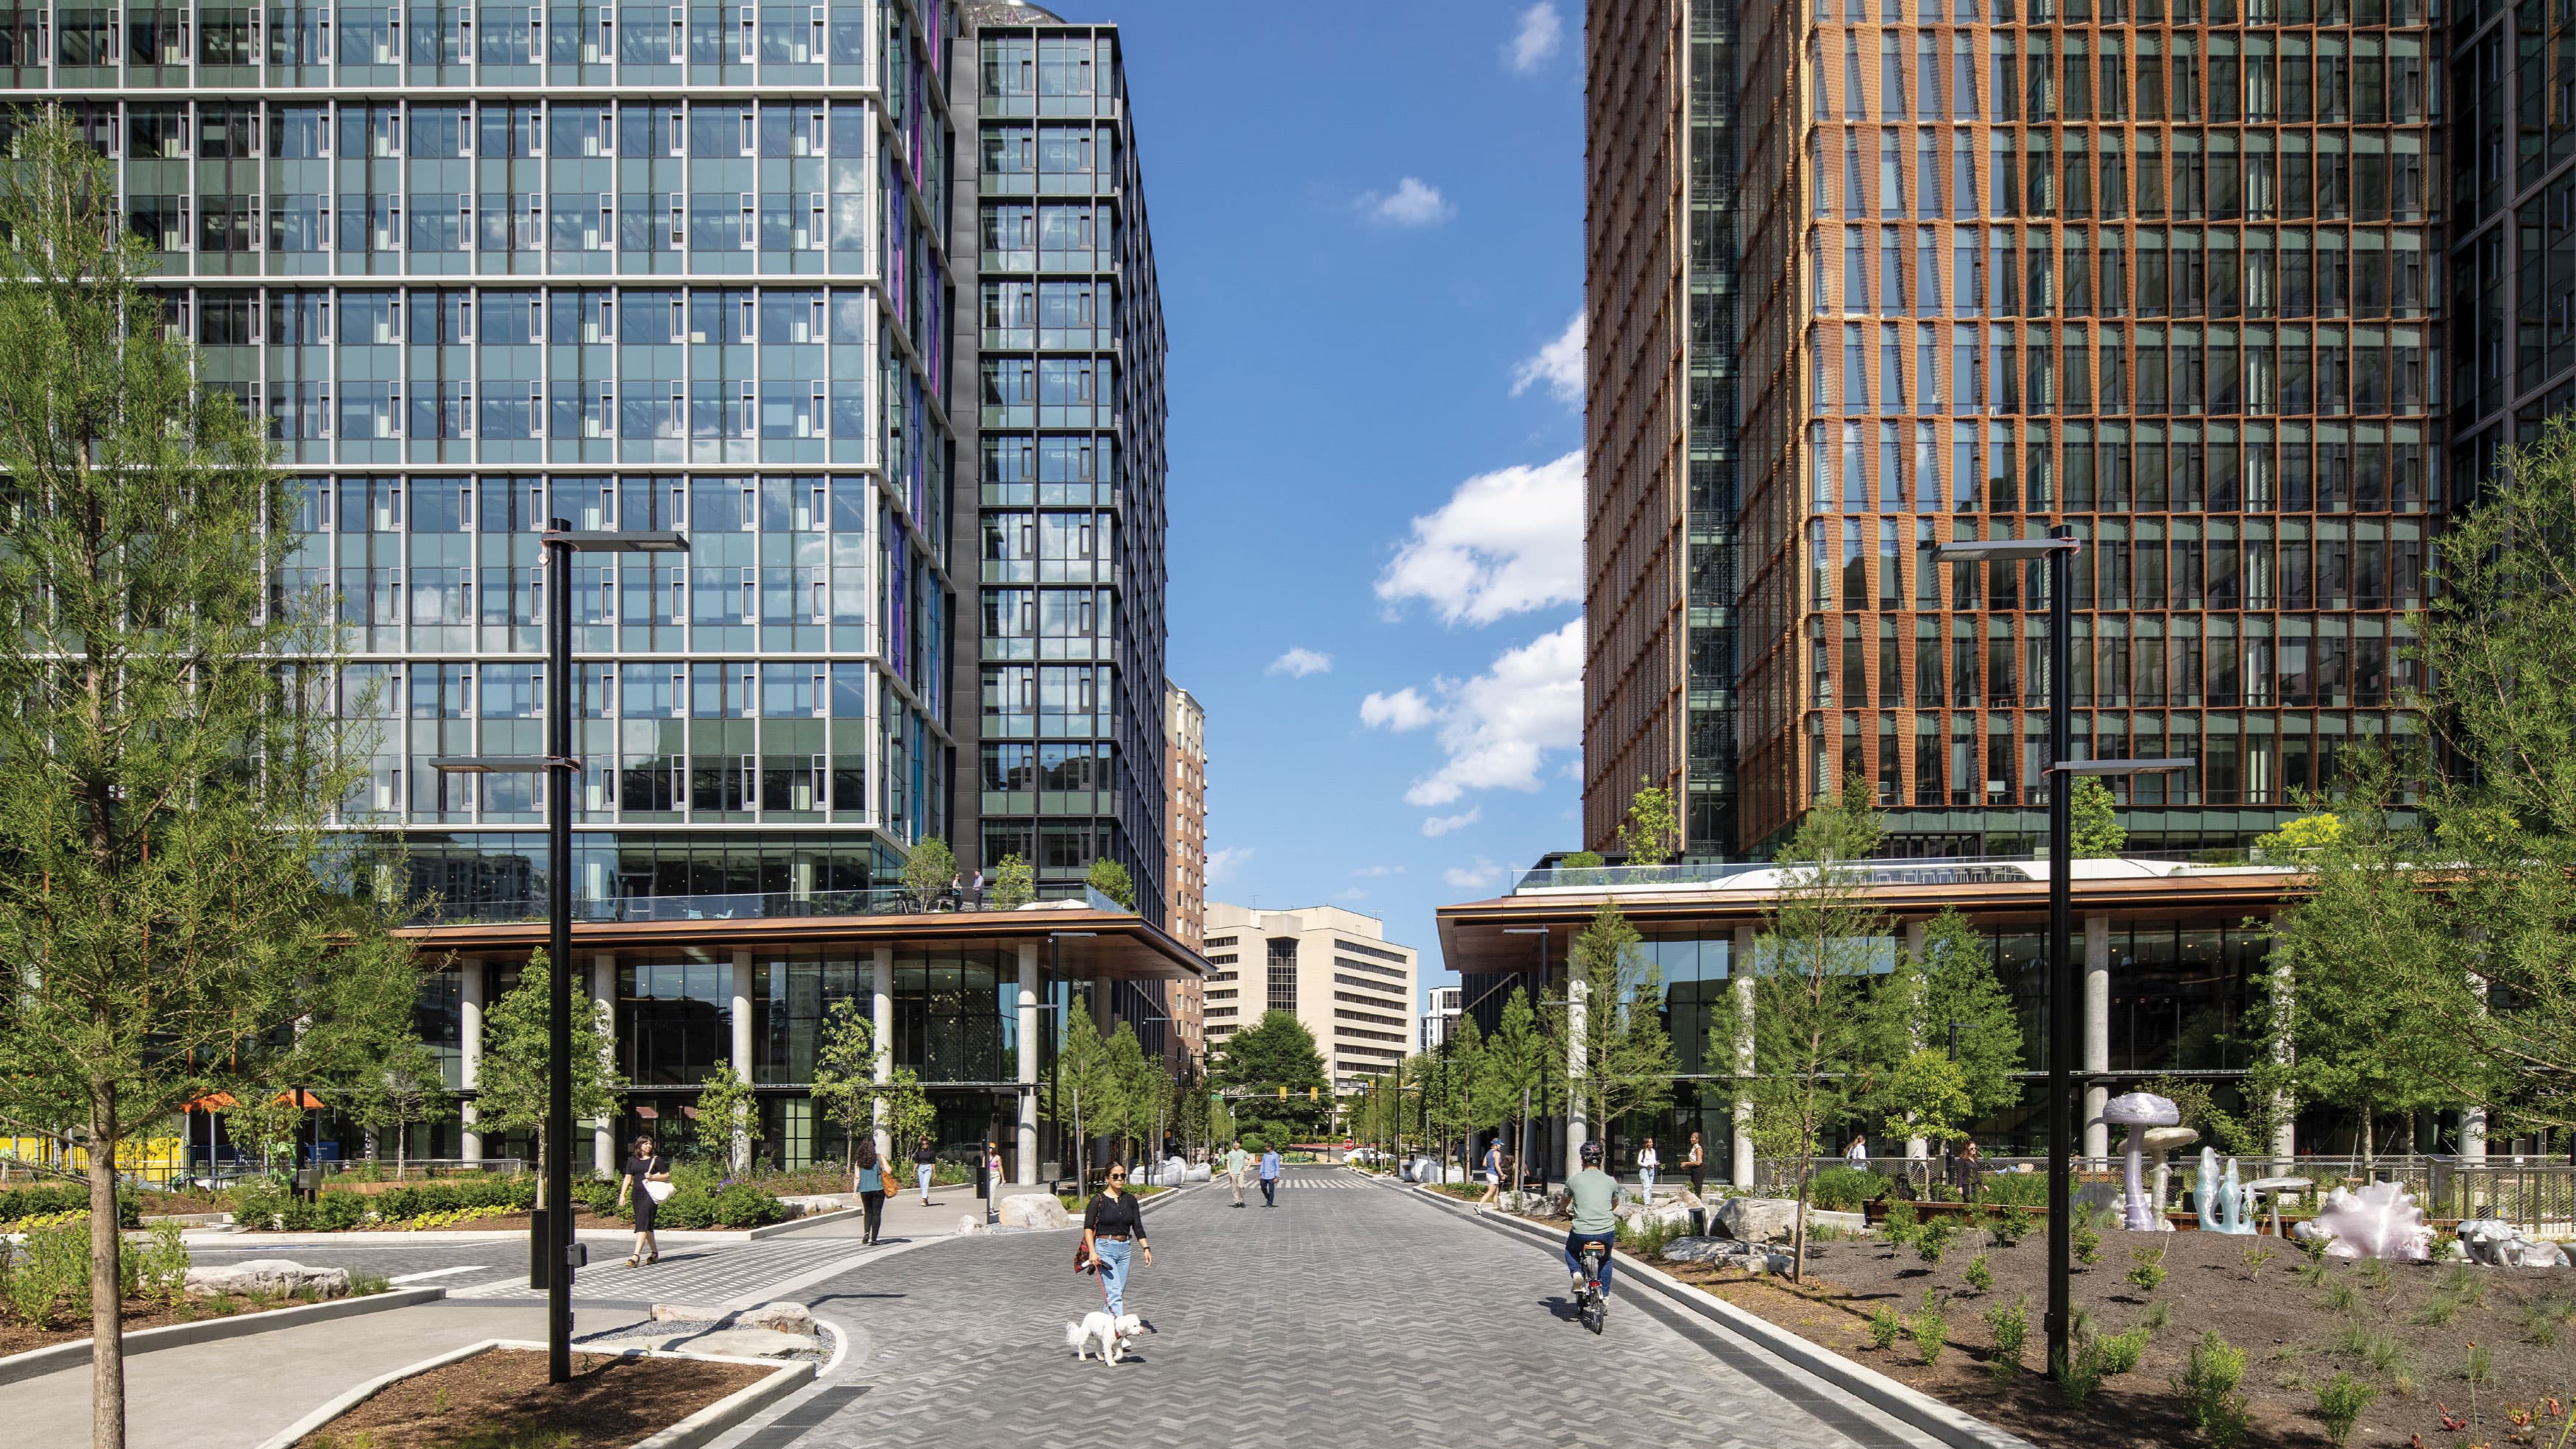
(658, 1191)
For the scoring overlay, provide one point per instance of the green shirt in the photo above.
(1593, 1191)
(1235, 1160)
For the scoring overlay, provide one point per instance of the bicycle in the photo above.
(1591, 1304)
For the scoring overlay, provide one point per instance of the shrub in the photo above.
(1900, 1227)
(2341, 1401)
(49, 1269)
(2087, 1244)
(1885, 1326)
(2011, 1328)
(1979, 1276)
(2147, 1268)
(1844, 1189)
(2016, 1189)
(2120, 1352)
(48, 1199)
(2008, 1225)
(1930, 1329)
(2209, 1391)
(161, 1264)
(1933, 1238)
(698, 1204)
(2255, 1258)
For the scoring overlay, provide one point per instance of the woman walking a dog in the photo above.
(1113, 1226)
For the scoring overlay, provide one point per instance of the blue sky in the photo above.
(1368, 227)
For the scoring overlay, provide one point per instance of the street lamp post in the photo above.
(2064, 1023)
(552, 1240)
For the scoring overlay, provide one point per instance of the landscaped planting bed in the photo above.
(501, 1398)
(45, 1287)
(2458, 1354)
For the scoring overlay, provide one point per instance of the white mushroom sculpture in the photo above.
(2139, 1111)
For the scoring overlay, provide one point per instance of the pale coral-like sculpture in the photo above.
(2380, 1221)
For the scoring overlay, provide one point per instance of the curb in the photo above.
(699, 1428)
(795, 1225)
(1908, 1406)
(56, 1357)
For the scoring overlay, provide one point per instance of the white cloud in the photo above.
(1497, 727)
(1412, 203)
(1222, 864)
(1542, 32)
(1298, 663)
(1439, 825)
(1483, 874)
(1559, 364)
(1354, 894)
(1379, 870)
(1403, 710)
(1506, 542)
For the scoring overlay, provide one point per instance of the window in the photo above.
(1283, 974)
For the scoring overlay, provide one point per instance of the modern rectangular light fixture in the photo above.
(2000, 550)
(500, 764)
(611, 541)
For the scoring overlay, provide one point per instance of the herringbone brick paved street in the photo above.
(1344, 1318)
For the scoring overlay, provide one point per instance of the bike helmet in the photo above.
(1592, 1154)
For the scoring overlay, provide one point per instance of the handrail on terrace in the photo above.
(761, 905)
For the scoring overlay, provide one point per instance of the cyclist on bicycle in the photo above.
(1593, 1192)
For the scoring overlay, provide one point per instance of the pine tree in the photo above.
(1626, 1059)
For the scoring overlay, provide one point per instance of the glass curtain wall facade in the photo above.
(1062, 344)
(634, 267)
(1662, 497)
(2159, 269)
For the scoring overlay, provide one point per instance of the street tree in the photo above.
(511, 1095)
(407, 1089)
(1823, 1040)
(728, 1125)
(1139, 1099)
(2369, 975)
(1275, 1066)
(1613, 1023)
(2497, 639)
(1519, 1083)
(845, 1071)
(1086, 1098)
(173, 901)
(1953, 980)
(1458, 1097)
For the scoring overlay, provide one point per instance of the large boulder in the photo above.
(1661, 1215)
(752, 1343)
(687, 1313)
(276, 1277)
(1759, 1219)
(1034, 1210)
(1726, 1253)
(779, 1317)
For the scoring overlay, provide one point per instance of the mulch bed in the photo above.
(500, 1400)
(139, 1313)
(2293, 1333)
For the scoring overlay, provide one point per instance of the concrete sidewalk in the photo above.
(235, 1393)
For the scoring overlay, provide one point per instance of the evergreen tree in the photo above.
(2095, 819)
(1954, 980)
(172, 902)
(1618, 1036)
(1276, 1065)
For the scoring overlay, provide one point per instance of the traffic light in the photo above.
(1310, 1094)
(1283, 1094)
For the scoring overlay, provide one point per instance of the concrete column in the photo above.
(2473, 1120)
(741, 993)
(1576, 993)
(881, 1011)
(470, 1072)
(2097, 1033)
(2285, 1127)
(1027, 1174)
(1917, 1148)
(603, 995)
(1740, 977)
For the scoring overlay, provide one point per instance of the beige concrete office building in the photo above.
(1353, 988)
(1185, 851)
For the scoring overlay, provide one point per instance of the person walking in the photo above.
(1113, 1226)
(1695, 1161)
(868, 1180)
(924, 1158)
(1857, 1155)
(1270, 1170)
(1493, 1175)
(1236, 1160)
(1970, 1175)
(991, 1168)
(643, 1171)
(1647, 1162)
(975, 892)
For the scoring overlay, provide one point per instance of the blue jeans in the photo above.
(1114, 1268)
(1270, 1192)
(1574, 1246)
(922, 1171)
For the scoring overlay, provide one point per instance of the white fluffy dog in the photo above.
(1098, 1330)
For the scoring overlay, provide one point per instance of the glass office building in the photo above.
(636, 267)
(1060, 340)
(2163, 270)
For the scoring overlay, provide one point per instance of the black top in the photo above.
(640, 1168)
(1115, 1217)
(926, 1157)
